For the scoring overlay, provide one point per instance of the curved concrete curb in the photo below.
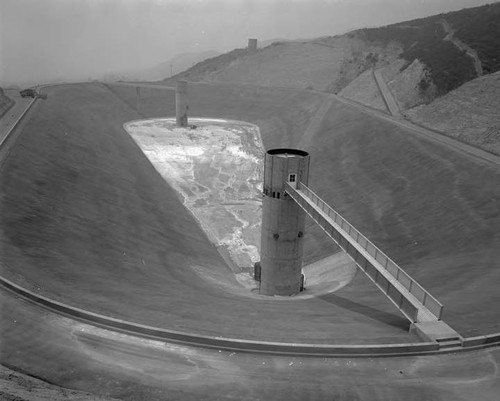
(291, 349)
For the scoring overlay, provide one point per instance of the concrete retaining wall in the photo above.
(127, 327)
(490, 339)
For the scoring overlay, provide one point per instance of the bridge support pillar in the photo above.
(283, 222)
(181, 104)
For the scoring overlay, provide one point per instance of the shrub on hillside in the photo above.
(480, 28)
(422, 39)
(448, 67)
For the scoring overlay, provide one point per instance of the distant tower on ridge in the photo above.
(252, 44)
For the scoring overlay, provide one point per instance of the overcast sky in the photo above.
(41, 40)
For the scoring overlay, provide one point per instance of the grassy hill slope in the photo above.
(480, 28)
(422, 39)
(290, 64)
(419, 64)
(304, 65)
(469, 113)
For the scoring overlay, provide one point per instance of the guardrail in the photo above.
(403, 278)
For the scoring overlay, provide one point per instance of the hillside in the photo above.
(178, 63)
(421, 59)
(423, 39)
(469, 113)
(480, 28)
(303, 65)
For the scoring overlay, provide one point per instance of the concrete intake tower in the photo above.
(181, 104)
(283, 222)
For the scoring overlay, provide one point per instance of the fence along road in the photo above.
(413, 301)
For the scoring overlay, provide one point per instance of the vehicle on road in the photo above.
(32, 93)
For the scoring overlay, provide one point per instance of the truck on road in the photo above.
(32, 93)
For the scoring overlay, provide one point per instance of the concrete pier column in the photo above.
(283, 222)
(181, 104)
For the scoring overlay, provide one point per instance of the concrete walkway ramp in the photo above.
(413, 301)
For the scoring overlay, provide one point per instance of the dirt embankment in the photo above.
(290, 64)
(361, 57)
(339, 64)
(327, 64)
(364, 90)
(469, 113)
(16, 386)
(403, 82)
(409, 84)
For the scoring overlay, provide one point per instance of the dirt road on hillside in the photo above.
(386, 93)
(462, 47)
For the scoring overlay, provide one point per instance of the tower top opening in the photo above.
(287, 152)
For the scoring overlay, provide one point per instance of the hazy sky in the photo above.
(41, 40)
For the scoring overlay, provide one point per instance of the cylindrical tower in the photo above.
(283, 222)
(181, 104)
